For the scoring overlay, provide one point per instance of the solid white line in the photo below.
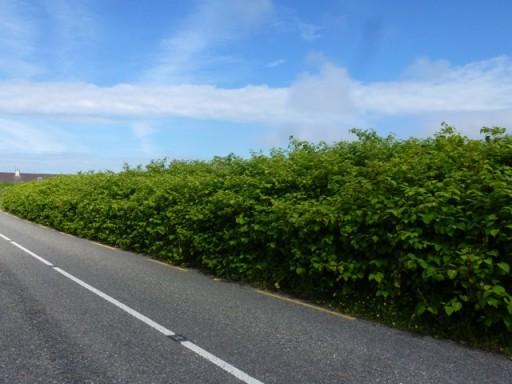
(4, 237)
(110, 299)
(153, 324)
(221, 363)
(187, 344)
(44, 261)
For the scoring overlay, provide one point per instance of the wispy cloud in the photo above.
(75, 29)
(17, 136)
(275, 63)
(48, 145)
(212, 24)
(65, 27)
(287, 20)
(309, 32)
(16, 41)
(143, 132)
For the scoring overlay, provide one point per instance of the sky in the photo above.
(93, 84)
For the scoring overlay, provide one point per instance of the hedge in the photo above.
(425, 223)
(3, 188)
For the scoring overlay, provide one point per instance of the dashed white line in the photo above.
(220, 363)
(42, 260)
(242, 376)
(110, 299)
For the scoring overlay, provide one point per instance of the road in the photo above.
(73, 311)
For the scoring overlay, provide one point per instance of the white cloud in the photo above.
(212, 24)
(480, 86)
(309, 32)
(275, 63)
(330, 94)
(250, 103)
(317, 104)
(426, 69)
(143, 132)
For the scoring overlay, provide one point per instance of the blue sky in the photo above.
(93, 84)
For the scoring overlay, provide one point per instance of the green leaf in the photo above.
(427, 218)
(421, 308)
(453, 306)
(494, 232)
(382, 293)
(504, 267)
(508, 323)
(452, 274)
(499, 290)
(492, 302)
(410, 264)
(378, 277)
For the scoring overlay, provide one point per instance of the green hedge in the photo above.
(3, 188)
(426, 223)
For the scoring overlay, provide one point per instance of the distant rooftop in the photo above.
(17, 176)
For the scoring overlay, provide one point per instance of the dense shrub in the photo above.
(424, 223)
(3, 188)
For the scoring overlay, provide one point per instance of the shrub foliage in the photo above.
(3, 188)
(426, 223)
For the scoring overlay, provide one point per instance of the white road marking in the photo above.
(44, 261)
(242, 376)
(110, 299)
(4, 237)
(220, 363)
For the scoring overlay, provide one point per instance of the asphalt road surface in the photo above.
(72, 311)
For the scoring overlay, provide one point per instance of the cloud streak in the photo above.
(275, 63)
(143, 132)
(16, 41)
(329, 96)
(211, 25)
(309, 32)
(17, 136)
(75, 28)
(250, 103)
(318, 105)
(66, 30)
(288, 20)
